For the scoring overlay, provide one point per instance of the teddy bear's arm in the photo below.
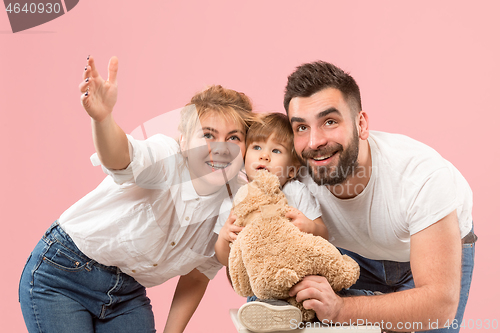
(349, 273)
(272, 283)
(340, 270)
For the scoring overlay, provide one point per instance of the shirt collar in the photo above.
(189, 193)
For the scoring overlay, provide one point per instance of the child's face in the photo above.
(271, 156)
(215, 153)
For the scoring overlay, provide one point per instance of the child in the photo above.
(150, 220)
(269, 146)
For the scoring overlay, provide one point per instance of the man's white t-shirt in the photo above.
(297, 195)
(410, 188)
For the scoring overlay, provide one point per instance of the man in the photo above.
(391, 202)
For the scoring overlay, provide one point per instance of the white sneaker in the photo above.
(269, 316)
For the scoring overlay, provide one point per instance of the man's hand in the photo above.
(319, 296)
(98, 96)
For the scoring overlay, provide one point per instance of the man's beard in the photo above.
(334, 174)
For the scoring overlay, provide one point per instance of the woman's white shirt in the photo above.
(148, 219)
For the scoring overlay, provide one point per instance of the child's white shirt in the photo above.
(297, 194)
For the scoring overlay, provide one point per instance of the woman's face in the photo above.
(215, 152)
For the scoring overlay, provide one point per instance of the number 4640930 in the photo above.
(33, 8)
(473, 324)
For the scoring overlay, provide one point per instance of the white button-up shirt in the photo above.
(148, 219)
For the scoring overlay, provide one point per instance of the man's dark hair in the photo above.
(315, 76)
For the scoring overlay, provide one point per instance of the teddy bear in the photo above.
(270, 254)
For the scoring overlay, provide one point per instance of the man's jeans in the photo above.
(390, 276)
(62, 290)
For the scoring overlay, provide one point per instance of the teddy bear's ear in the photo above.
(267, 182)
(240, 195)
(246, 201)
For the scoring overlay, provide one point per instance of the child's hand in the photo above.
(227, 235)
(99, 96)
(300, 220)
(229, 231)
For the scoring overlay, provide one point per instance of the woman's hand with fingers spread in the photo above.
(99, 96)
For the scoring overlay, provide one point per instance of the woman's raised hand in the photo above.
(98, 96)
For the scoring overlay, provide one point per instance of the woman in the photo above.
(151, 219)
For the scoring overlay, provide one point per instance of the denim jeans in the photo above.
(390, 276)
(62, 290)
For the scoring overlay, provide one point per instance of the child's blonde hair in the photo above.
(227, 103)
(277, 126)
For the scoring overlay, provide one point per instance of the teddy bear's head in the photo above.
(263, 191)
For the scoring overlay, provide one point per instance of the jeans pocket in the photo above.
(64, 260)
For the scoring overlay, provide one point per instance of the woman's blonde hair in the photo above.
(227, 103)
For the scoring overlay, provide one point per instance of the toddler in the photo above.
(270, 146)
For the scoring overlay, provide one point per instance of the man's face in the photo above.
(325, 136)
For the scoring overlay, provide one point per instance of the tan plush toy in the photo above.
(271, 255)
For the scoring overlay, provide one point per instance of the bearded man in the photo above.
(393, 204)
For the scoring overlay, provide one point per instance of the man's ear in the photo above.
(292, 171)
(362, 123)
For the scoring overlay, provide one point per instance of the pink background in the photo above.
(428, 69)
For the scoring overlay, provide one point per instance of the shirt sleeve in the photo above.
(210, 267)
(432, 201)
(151, 160)
(299, 196)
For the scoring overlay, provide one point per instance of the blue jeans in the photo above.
(62, 290)
(390, 276)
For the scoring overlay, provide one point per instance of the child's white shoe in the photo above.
(269, 316)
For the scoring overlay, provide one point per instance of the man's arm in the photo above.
(188, 294)
(436, 266)
(98, 99)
